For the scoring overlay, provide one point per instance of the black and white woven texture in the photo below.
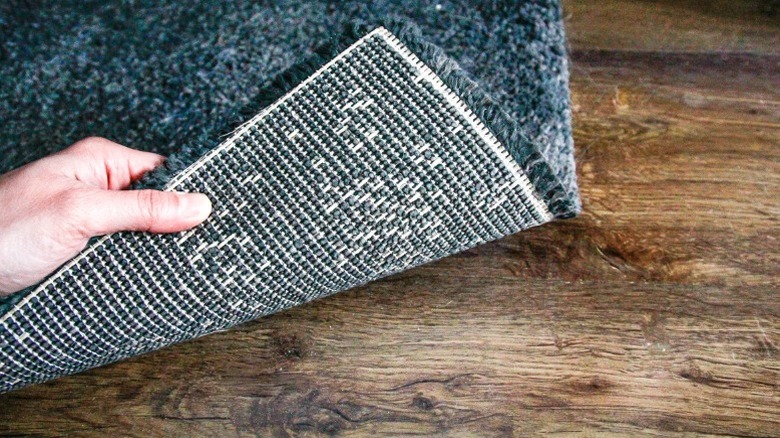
(369, 166)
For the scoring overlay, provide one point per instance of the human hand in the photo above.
(51, 207)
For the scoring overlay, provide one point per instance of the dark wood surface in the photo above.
(656, 312)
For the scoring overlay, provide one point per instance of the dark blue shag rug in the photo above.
(159, 75)
(400, 153)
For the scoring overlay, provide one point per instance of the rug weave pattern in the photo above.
(369, 167)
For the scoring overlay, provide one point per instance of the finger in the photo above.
(144, 210)
(108, 165)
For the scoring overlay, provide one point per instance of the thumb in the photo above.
(146, 210)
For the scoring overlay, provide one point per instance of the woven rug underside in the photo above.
(371, 165)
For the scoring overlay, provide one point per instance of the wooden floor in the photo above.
(656, 312)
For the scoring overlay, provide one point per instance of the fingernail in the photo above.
(194, 206)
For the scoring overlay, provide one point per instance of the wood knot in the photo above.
(595, 384)
(331, 427)
(696, 375)
(290, 346)
(422, 403)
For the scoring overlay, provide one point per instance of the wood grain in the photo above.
(734, 26)
(657, 312)
(431, 353)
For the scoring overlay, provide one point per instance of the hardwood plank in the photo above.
(674, 25)
(435, 353)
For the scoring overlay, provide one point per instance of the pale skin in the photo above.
(50, 208)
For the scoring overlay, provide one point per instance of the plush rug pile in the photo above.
(387, 148)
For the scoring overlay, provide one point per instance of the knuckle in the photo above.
(70, 208)
(87, 144)
(68, 203)
(152, 205)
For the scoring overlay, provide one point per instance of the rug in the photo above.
(375, 155)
